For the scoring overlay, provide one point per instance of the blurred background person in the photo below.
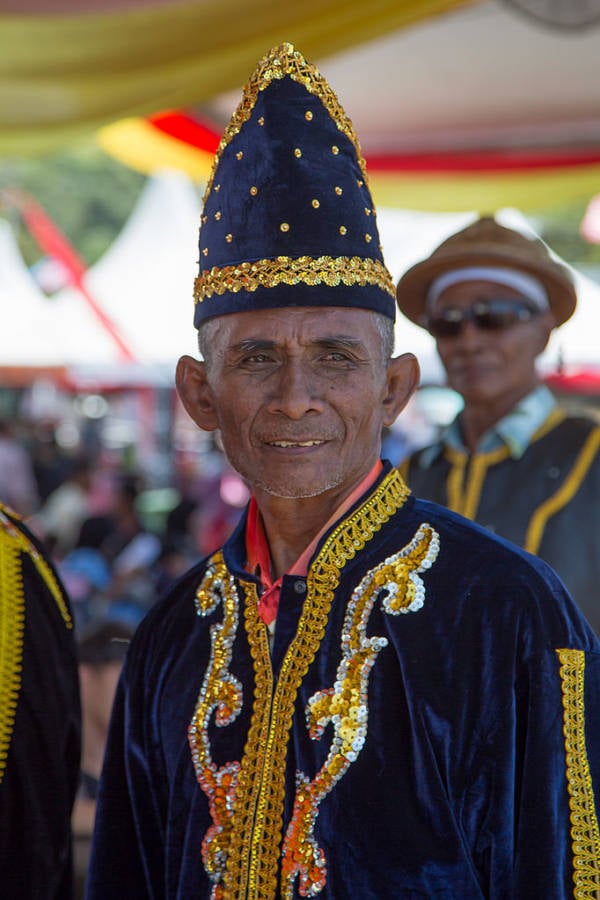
(60, 518)
(39, 721)
(18, 487)
(512, 460)
(101, 651)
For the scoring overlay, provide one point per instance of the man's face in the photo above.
(488, 366)
(300, 396)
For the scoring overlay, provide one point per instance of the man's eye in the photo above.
(337, 356)
(257, 358)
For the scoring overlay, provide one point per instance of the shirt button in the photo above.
(300, 586)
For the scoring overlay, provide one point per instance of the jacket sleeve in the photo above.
(531, 811)
(40, 721)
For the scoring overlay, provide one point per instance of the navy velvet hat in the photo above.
(288, 218)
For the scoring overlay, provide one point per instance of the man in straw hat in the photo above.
(512, 460)
(361, 695)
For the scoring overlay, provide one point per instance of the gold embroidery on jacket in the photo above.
(464, 497)
(221, 695)
(14, 543)
(12, 623)
(585, 834)
(345, 705)
(250, 849)
(565, 493)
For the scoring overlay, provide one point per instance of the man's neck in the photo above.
(477, 418)
(292, 525)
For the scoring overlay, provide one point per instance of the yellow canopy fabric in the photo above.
(137, 144)
(529, 191)
(62, 76)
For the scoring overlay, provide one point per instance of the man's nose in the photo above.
(470, 335)
(295, 391)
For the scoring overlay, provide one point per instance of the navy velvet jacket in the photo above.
(427, 725)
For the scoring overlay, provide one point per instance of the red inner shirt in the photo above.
(259, 555)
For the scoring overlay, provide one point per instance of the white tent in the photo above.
(39, 331)
(144, 281)
(144, 284)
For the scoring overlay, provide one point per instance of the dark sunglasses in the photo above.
(489, 315)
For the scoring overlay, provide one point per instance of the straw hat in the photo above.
(486, 243)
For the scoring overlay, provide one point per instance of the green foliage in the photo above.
(86, 193)
(90, 196)
(559, 227)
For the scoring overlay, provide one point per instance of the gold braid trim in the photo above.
(258, 813)
(13, 543)
(464, 497)
(345, 704)
(12, 624)
(564, 494)
(44, 570)
(281, 62)
(328, 270)
(585, 834)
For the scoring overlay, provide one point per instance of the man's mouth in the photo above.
(287, 444)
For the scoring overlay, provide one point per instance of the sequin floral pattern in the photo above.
(397, 583)
(221, 696)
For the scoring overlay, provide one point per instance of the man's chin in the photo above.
(291, 491)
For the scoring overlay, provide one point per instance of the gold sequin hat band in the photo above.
(288, 218)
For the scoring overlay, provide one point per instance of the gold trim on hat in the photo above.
(269, 273)
(281, 62)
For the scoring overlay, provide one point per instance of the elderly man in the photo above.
(512, 460)
(362, 695)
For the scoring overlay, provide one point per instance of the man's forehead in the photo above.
(308, 323)
(475, 290)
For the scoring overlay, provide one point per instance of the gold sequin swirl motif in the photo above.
(396, 581)
(254, 864)
(221, 696)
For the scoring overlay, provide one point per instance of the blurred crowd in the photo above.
(116, 541)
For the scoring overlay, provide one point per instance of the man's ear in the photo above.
(195, 393)
(403, 375)
(546, 323)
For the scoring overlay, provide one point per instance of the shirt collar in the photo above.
(514, 431)
(257, 547)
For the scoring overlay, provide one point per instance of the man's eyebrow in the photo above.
(340, 340)
(251, 345)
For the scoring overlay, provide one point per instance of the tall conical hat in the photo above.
(288, 218)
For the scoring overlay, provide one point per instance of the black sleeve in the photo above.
(39, 722)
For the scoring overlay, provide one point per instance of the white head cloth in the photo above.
(530, 287)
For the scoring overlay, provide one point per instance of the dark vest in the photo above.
(547, 502)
